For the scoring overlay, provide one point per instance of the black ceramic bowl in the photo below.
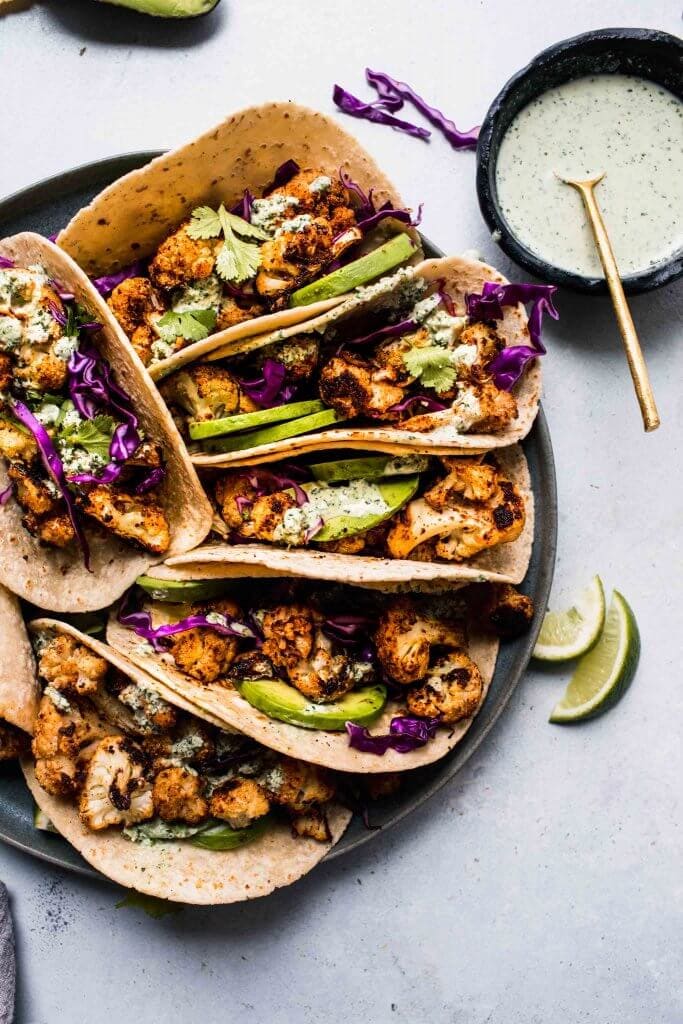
(629, 51)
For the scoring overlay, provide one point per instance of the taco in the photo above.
(95, 482)
(306, 669)
(426, 360)
(376, 520)
(262, 222)
(19, 690)
(158, 799)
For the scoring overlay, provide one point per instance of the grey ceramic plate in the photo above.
(46, 207)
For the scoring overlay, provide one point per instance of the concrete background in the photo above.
(544, 884)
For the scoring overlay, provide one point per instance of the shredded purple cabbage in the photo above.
(6, 495)
(509, 364)
(151, 480)
(428, 404)
(106, 284)
(377, 112)
(269, 390)
(264, 481)
(348, 629)
(141, 623)
(367, 214)
(64, 294)
(55, 469)
(392, 331)
(243, 207)
(284, 173)
(390, 91)
(405, 734)
(56, 313)
(6, 263)
(445, 298)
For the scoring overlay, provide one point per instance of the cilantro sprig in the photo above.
(193, 325)
(432, 365)
(93, 435)
(237, 259)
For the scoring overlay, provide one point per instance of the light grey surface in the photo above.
(544, 885)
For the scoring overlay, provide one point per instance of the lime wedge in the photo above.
(605, 673)
(199, 429)
(568, 634)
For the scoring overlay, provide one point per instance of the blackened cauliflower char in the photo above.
(308, 223)
(37, 339)
(122, 771)
(13, 742)
(203, 653)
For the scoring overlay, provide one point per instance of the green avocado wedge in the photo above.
(281, 701)
(221, 837)
(370, 467)
(304, 425)
(181, 591)
(167, 8)
(201, 429)
(395, 492)
(374, 264)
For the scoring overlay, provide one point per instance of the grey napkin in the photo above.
(7, 964)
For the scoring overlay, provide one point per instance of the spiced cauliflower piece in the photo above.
(178, 795)
(13, 742)
(311, 824)
(502, 608)
(232, 312)
(64, 739)
(31, 492)
(240, 803)
(266, 514)
(451, 691)
(71, 667)
(206, 392)
(54, 530)
(203, 653)
(181, 259)
(137, 306)
(40, 369)
(299, 356)
(404, 640)
(288, 634)
(298, 786)
(137, 518)
(353, 387)
(227, 489)
(16, 443)
(115, 790)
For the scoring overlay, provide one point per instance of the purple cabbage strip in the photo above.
(141, 623)
(391, 90)
(428, 404)
(348, 630)
(367, 214)
(283, 174)
(263, 479)
(108, 282)
(509, 364)
(56, 313)
(58, 287)
(55, 469)
(269, 390)
(405, 734)
(391, 331)
(376, 112)
(388, 210)
(6, 263)
(150, 480)
(243, 207)
(6, 495)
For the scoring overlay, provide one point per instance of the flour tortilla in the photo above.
(432, 434)
(56, 579)
(329, 749)
(130, 218)
(19, 689)
(178, 871)
(506, 563)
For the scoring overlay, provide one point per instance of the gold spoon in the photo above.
(634, 353)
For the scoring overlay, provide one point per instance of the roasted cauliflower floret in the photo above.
(451, 691)
(466, 478)
(319, 193)
(206, 392)
(298, 354)
(489, 344)
(288, 634)
(13, 742)
(54, 530)
(178, 795)
(502, 608)
(266, 514)
(326, 676)
(63, 741)
(41, 369)
(404, 640)
(240, 803)
(134, 518)
(115, 790)
(298, 786)
(485, 407)
(228, 488)
(16, 443)
(150, 711)
(137, 307)
(71, 667)
(297, 253)
(232, 312)
(31, 493)
(181, 259)
(6, 371)
(252, 665)
(312, 824)
(203, 653)
(353, 387)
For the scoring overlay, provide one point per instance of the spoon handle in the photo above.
(634, 353)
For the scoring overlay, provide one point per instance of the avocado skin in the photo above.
(167, 8)
(283, 702)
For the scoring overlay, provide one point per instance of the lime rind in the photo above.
(571, 633)
(603, 675)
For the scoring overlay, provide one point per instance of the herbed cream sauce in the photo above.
(628, 127)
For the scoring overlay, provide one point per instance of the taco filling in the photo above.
(222, 267)
(73, 445)
(445, 509)
(132, 762)
(291, 653)
(391, 368)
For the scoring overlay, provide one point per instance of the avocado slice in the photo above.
(221, 837)
(397, 250)
(281, 701)
(200, 429)
(181, 591)
(41, 820)
(396, 492)
(304, 425)
(371, 467)
(167, 8)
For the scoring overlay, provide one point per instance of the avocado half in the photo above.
(167, 8)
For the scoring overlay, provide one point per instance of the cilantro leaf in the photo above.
(205, 223)
(240, 226)
(193, 325)
(94, 435)
(432, 365)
